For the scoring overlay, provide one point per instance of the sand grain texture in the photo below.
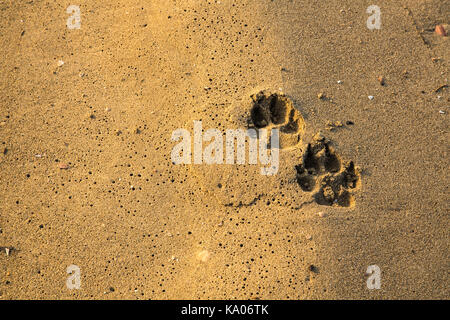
(86, 177)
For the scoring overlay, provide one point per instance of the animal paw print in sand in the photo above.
(324, 173)
(276, 111)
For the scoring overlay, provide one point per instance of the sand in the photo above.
(87, 179)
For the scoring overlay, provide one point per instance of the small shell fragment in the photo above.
(440, 30)
(63, 166)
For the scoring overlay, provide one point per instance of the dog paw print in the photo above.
(276, 111)
(324, 173)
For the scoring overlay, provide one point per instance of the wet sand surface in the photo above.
(87, 177)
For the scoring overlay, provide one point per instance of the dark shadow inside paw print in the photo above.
(306, 181)
(260, 116)
(331, 162)
(277, 111)
(333, 192)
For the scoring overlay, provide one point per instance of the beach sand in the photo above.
(86, 176)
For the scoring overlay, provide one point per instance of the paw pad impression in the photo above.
(273, 110)
(323, 172)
